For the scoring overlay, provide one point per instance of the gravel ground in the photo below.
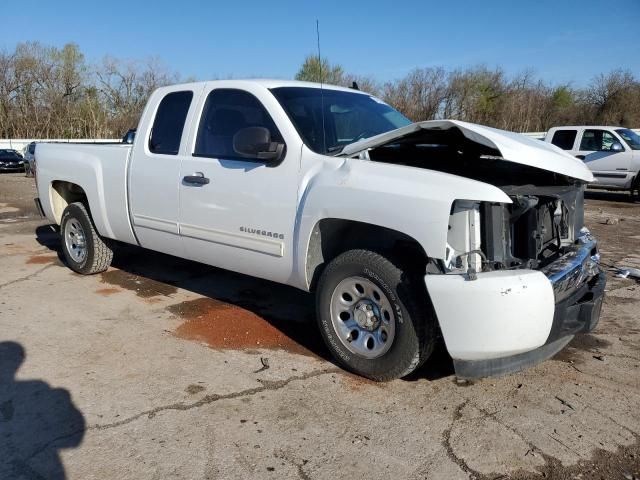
(162, 368)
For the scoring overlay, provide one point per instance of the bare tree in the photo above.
(48, 92)
(364, 83)
(614, 98)
(420, 95)
(126, 86)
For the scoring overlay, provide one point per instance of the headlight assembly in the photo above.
(463, 253)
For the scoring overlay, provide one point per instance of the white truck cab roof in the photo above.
(263, 82)
(578, 127)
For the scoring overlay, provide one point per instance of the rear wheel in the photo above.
(84, 249)
(374, 316)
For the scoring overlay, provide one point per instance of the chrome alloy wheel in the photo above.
(362, 317)
(75, 240)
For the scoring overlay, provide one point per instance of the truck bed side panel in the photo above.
(100, 170)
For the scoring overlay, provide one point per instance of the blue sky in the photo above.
(562, 40)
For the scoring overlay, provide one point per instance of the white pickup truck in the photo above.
(611, 153)
(405, 232)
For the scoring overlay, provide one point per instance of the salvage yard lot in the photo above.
(162, 368)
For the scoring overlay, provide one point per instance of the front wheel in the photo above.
(374, 317)
(84, 249)
(635, 189)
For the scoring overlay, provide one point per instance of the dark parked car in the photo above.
(10, 160)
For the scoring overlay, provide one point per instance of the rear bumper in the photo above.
(508, 320)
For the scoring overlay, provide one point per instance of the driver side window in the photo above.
(597, 141)
(225, 113)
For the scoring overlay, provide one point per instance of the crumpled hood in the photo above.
(513, 147)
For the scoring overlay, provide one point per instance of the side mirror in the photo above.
(255, 143)
(616, 147)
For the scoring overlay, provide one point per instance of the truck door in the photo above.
(238, 212)
(154, 172)
(609, 167)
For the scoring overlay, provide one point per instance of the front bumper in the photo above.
(578, 313)
(578, 284)
(11, 167)
(508, 320)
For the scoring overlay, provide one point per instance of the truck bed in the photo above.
(101, 170)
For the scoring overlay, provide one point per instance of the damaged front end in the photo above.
(536, 229)
(542, 226)
(518, 279)
(543, 229)
(541, 232)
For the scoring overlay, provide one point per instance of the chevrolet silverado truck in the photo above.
(611, 153)
(406, 233)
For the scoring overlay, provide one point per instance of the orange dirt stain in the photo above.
(225, 326)
(142, 286)
(105, 292)
(357, 384)
(42, 259)
(152, 300)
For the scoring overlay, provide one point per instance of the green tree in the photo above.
(312, 70)
(562, 97)
(71, 68)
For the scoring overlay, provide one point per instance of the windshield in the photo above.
(348, 117)
(9, 154)
(631, 137)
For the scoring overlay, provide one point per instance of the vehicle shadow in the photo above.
(287, 309)
(610, 196)
(439, 365)
(36, 422)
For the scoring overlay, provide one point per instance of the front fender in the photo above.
(416, 202)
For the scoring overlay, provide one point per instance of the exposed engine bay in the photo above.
(533, 231)
(543, 221)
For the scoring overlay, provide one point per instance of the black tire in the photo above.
(415, 324)
(635, 189)
(98, 253)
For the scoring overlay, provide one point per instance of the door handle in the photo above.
(197, 178)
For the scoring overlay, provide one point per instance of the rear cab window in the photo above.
(564, 139)
(168, 126)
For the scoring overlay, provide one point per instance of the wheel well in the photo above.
(62, 194)
(332, 236)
